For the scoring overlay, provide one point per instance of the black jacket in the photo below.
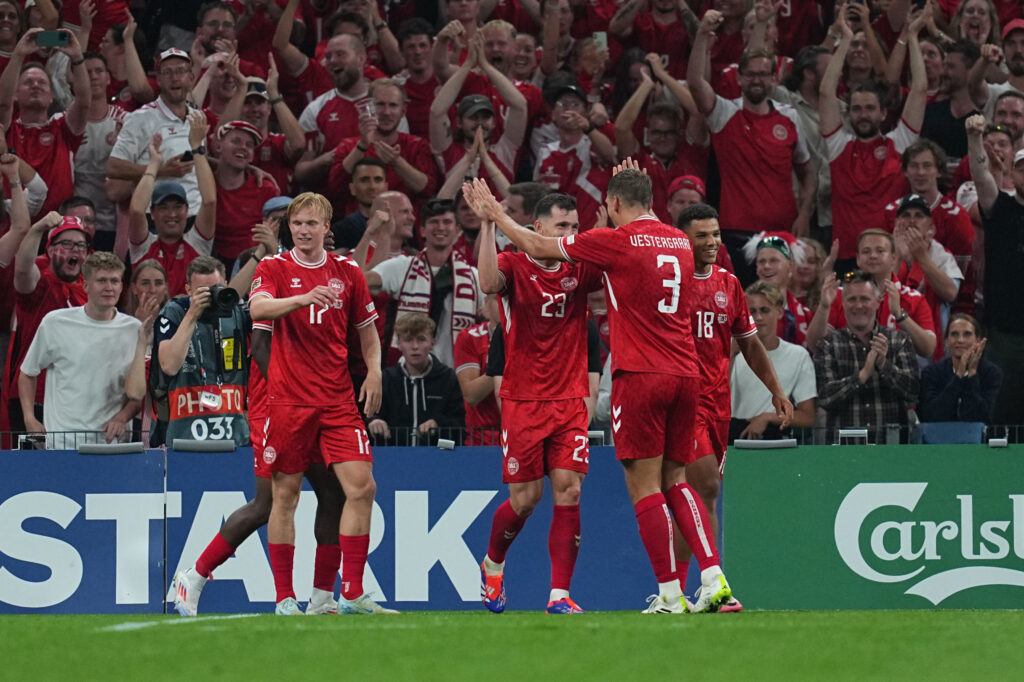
(408, 401)
(947, 398)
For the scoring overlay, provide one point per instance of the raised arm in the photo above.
(440, 124)
(206, 217)
(292, 58)
(138, 84)
(447, 40)
(515, 121)
(917, 98)
(491, 279)
(828, 101)
(621, 24)
(12, 72)
(26, 272)
(697, 69)
(549, 39)
(483, 203)
(977, 88)
(20, 220)
(625, 141)
(988, 189)
(138, 225)
(78, 111)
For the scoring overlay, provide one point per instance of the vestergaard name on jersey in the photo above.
(659, 242)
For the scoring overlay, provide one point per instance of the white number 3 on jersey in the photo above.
(670, 304)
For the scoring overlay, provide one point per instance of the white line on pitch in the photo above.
(137, 625)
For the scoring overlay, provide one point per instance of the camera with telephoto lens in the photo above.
(222, 302)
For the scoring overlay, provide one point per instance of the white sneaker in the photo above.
(288, 607)
(656, 603)
(321, 603)
(187, 586)
(710, 598)
(362, 605)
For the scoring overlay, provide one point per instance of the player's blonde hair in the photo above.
(102, 260)
(313, 201)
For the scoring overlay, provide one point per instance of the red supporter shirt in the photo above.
(953, 227)
(256, 40)
(866, 175)
(51, 293)
(174, 256)
(121, 95)
(270, 157)
(503, 153)
(50, 149)
(237, 211)
(108, 14)
(470, 350)
(910, 300)
(756, 156)
(729, 81)
(300, 89)
(478, 84)
(512, 11)
(419, 97)
(645, 264)
(309, 356)
(690, 159)
(800, 23)
(414, 150)
(578, 172)
(544, 318)
(718, 311)
(725, 50)
(671, 41)
(331, 117)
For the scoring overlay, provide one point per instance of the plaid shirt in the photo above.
(885, 397)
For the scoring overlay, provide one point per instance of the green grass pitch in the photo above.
(519, 645)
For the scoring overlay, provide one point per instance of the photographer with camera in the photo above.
(200, 369)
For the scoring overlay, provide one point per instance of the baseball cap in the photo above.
(913, 201)
(165, 190)
(785, 243)
(1018, 157)
(67, 223)
(172, 53)
(256, 86)
(574, 90)
(244, 126)
(687, 182)
(471, 105)
(275, 204)
(1011, 26)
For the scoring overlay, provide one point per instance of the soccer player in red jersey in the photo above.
(544, 413)
(655, 371)
(718, 310)
(315, 299)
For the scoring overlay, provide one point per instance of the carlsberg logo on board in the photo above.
(935, 557)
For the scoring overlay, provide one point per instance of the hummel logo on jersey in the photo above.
(577, 539)
(332, 117)
(533, 278)
(504, 442)
(616, 422)
(510, 534)
(296, 283)
(164, 325)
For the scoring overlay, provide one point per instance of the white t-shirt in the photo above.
(91, 165)
(86, 363)
(392, 274)
(793, 366)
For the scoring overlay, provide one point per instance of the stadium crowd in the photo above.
(866, 160)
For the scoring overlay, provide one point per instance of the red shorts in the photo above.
(712, 437)
(298, 436)
(258, 435)
(654, 415)
(540, 435)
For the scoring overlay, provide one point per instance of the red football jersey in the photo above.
(174, 256)
(331, 117)
(756, 155)
(646, 264)
(953, 227)
(544, 317)
(800, 23)
(670, 41)
(470, 351)
(414, 149)
(578, 172)
(50, 149)
(108, 14)
(717, 308)
(866, 175)
(478, 84)
(419, 97)
(271, 158)
(309, 356)
(237, 211)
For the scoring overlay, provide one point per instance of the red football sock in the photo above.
(564, 544)
(216, 553)
(655, 522)
(692, 517)
(354, 549)
(504, 529)
(325, 567)
(282, 558)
